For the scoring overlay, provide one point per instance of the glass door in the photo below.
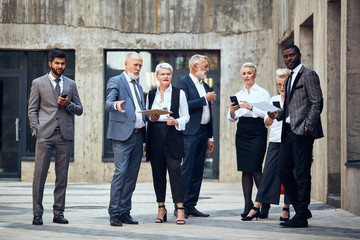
(9, 125)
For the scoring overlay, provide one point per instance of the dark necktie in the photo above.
(289, 82)
(57, 89)
(136, 93)
(288, 91)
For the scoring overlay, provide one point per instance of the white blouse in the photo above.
(276, 126)
(184, 116)
(257, 94)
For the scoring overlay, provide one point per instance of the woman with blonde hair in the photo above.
(269, 189)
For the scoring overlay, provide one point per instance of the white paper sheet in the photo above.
(265, 106)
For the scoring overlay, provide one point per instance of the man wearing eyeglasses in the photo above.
(301, 126)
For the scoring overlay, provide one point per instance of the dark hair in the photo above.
(292, 46)
(56, 53)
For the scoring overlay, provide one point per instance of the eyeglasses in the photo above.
(280, 85)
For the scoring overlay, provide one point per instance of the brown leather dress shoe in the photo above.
(60, 219)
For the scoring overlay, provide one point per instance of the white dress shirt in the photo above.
(293, 77)
(257, 94)
(139, 123)
(184, 116)
(53, 83)
(275, 127)
(205, 119)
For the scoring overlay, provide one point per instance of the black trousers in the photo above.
(296, 157)
(162, 159)
(269, 189)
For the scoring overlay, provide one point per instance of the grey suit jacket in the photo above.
(45, 114)
(305, 103)
(121, 125)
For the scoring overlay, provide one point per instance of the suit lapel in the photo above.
(126, 85)
(65, 87)
(298, 76)
(48, 88)
(191, 83)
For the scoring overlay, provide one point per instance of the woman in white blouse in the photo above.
(165, 143)
(269, 189)
(251, 134)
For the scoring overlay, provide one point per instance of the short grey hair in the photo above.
(249, 64)
(163, 65)
(282, 72)
(195, 59)
(131, 54)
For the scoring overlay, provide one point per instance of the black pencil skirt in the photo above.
(250, 142)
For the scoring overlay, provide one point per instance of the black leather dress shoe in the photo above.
(126, 218)
(196, 213)
(115, 221)
(60, 219)
(295, 223)
(37, 220)
(308, 214)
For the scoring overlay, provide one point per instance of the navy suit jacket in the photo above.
(195, 103)
(121, 125)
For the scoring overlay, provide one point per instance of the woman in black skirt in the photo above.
(251, 134)
(165, 142)
(269, 190)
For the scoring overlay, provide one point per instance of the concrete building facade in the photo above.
(234, 31)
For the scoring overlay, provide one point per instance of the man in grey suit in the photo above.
(53, 101)
(301, 126)
(126, 129)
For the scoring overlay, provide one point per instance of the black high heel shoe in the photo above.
(181, 221)
(285, 219)
(256, 215)
(247, 209)
(264, 212)
(164, 219)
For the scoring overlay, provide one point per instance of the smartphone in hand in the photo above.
(276, 104)
(64, 96)
(233, 99)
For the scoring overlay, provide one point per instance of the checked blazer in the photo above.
(304, 103)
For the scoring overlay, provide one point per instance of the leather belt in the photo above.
(137, 130)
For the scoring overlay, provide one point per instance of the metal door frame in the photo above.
(21, 115)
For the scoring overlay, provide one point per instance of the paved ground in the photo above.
(86, 210)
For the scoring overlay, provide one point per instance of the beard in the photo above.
(201, 74)
(57, 72)
(133, 76)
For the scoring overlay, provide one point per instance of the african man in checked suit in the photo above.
(301, 126)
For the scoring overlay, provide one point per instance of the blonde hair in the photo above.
(248, 64)
(282, 72)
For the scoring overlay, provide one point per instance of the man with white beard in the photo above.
(126, 129)
(198, 133)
